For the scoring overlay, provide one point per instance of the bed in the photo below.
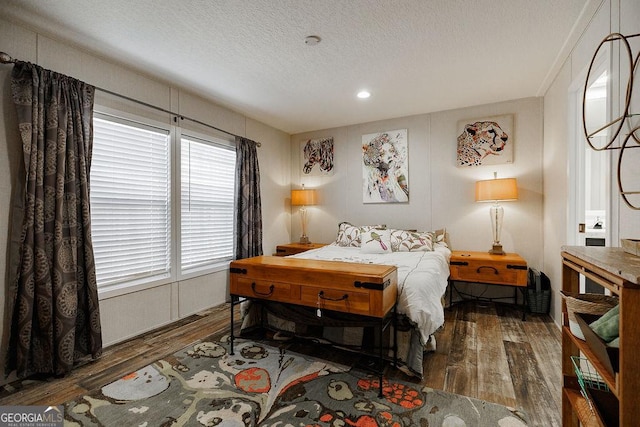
(422, 262)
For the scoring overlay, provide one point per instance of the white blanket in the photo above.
(422, 280)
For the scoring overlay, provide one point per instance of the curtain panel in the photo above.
(249, 207)
(56, 320)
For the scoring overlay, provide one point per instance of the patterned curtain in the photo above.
(249, 207)
(56, 320)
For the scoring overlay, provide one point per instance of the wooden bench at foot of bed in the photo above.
(368, 290)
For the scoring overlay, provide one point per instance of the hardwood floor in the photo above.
(487, 352)
(484, 351)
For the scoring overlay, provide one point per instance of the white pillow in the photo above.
(375, 241)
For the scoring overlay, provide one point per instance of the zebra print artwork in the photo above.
(317, 156)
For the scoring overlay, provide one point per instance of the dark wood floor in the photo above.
(484, 351)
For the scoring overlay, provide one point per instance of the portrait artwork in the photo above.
(385, 168)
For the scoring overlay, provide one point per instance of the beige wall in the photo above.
(441, 194)
(612, 16)
(128, 315)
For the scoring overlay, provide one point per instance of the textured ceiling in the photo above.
(415, 56)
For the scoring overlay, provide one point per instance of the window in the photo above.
(207, 203)
(134, 223)
(130, 201)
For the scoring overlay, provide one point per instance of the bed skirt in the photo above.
(341, 330)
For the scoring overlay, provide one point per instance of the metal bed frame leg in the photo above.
(394, 348)
(233, 302)
(381, 356)
(395, 336)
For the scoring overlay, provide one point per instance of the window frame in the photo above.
(213, 138)
(175, 208)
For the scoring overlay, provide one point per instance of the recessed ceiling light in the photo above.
(364, 94)
(312, 40)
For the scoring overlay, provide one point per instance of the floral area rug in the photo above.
(263, 385)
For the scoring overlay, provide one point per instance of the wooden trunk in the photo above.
(364, 289)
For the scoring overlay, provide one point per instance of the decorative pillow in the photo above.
(440, 237)
(608, 325)
(375, 241)
(411, 241)
(349, 234)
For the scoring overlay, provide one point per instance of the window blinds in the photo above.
(207, 203)
(130, 201)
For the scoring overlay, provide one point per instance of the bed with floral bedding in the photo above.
(422, 261)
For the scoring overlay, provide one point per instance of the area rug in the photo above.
(264, 385)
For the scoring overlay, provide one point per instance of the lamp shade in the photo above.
(303, 197)
(491, 190)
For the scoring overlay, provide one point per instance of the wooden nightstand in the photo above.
(482, 267)
(296, 248)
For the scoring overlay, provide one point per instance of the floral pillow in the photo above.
(440, 237)
(411, 241)
(349, 234)
(375, 241)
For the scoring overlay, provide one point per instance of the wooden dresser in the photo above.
(618, 272)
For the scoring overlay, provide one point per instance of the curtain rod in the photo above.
(7, 59)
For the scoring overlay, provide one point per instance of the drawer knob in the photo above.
(342, 298)
(264, 294)
(495, 270)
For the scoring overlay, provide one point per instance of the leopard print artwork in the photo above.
(479, 140)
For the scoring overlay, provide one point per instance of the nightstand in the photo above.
(296, 248)
(482, 267)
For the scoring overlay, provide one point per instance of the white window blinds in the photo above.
(130, 201)
(207, 200)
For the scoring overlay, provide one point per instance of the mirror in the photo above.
(600, 128)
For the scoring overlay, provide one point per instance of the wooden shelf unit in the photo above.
(619, 272)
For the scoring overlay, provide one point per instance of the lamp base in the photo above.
(496, 250)
(304, 240)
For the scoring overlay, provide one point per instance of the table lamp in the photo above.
(303, 198)
(496, 190)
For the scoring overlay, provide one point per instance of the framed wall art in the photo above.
(385, 167)
(485, 141)
(317, 156)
